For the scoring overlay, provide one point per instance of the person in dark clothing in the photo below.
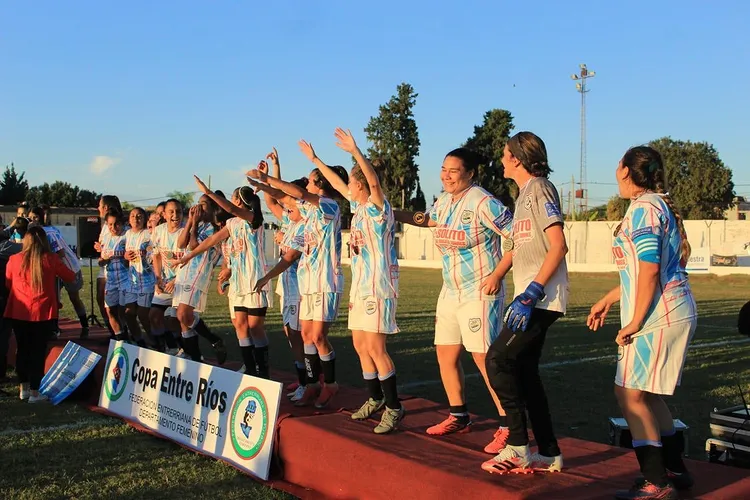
(7, 248)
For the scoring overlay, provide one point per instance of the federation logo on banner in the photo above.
(116, 374)
(249, 423)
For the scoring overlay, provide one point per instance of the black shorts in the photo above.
(163, 307)
(252, 311)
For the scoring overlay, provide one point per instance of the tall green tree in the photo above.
(616, 208)
(700, 184)
(13, 187)
(395, 145)
(489, 140)
(419, 203)
(185, 198)
(61, 194)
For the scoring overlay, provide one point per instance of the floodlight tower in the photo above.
(582, 193)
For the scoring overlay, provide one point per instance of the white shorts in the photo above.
(319, 307)
(162, 299)
(116, 297)
(290, 315)
(653, 361)
(142, 299)
(102, 275)
(249, 301)
(475, 324)
(191, 296)
(75, 285)
(371, 314)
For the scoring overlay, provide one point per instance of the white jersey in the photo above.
(372, 242)
(294, 239)
(467, 233)
(164, 244)
(141, 271)
(246, 257)
(197, 273)
(57, 243)
(319, 268)
(117, 267)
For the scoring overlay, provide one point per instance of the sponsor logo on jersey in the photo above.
(450, 238)
(553, 211)
(522, 232)
(642, 232)
(528, 202)
(503, 222)
(467, 216)
(620, 259)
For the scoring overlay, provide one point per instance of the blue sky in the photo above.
(132, 98)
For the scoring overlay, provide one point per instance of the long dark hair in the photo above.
(251, 202)
(530, 150)
(326, 186)
(646, 170)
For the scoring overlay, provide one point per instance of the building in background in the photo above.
(740, 209)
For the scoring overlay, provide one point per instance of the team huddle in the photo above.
(157, 270)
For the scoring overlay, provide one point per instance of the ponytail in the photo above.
(685, 244)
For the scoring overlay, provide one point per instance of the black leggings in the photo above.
(31, 341)
(513, 369)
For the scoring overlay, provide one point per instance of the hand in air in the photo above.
(204, 189)
(263, 167)
(256, 174)
(307, 150)
(345, 140)
(274, 157)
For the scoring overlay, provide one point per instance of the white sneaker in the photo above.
(24, 392)
(298, 393)
(38, 399)
(516, 459)
(546, 464)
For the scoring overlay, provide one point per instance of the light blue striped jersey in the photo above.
(247, 260)
(57, 243)
(164, 244)
(320, 264)
(649, 233)
(117, 267)
(141, 271)
(198, 272)
(467, 233)
(294, 239)
(372, 241)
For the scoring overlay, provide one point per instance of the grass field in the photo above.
(100, 457)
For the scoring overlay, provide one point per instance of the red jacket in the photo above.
(26, 304)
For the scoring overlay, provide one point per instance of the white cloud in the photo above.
(101, 164)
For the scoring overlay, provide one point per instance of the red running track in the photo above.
(325, 454)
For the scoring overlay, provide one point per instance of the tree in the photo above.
(395, 145)
(13, 187)
(700, 185)
(61, 194)
(418, 203)
(616, 208)
(489, 140)
(185, 198)
(127, 207)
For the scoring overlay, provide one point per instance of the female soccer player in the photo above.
(165, 253)
(468, 224)
(117, 287)
(192, 282)
(107, 203)
(536, 251)
(60, 247)
(658, 319)
(319, 274)
(374, 293)
(244, 236)
(141, 278)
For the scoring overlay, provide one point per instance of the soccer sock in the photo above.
(84, 321)
(190, 345)
(312, 364)
(261, 357)
(247, 350)
(673, 446)
(461, 413)
(328, 362)
(158, 335)
(170, 340)
(301, 373)
(373, 385)
(650, 460)
(388, 381)
(206, 332)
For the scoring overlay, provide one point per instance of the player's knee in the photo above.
(131, 311)
(185, 316)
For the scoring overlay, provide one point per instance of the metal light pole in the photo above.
(583, 193)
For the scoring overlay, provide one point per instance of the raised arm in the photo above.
(225, 204)
(347, 143)
(327, 171)
(288, 188)
(209, 242)
(183, 239)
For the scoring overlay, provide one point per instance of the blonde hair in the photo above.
(35, 245)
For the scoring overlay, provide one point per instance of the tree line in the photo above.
(699, 182)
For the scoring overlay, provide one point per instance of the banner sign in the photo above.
(699, 261)
(68, 371)
(216, 412)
